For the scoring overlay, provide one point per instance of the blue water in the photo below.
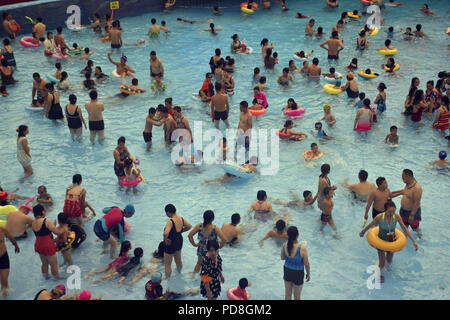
(338, 267)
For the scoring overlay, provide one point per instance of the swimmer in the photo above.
(333, 75)
(191, 22)
(4, 259)
(294, 135)
(320, 133)
(187, 161)
(44, 198)
(58, 71)
(327, 208)
(390, 65)
(63, 232)
(262, 208)
(392, 137)
(308, 200)
(277, 233)
(390, 32)
(393, 3)
(351, 87)
(154, 30)
(112, 267)
(212, 29)
(122, 69)
(131, 174)
(298, 15)
(99, 75)
(334, 45)
(149, 123)
(425, 9)
(283, 5)
(169, 4)
(255, 105)
(115, 35)
(314, 71)
(332, 3)
(285, 77)
(6, 196)
(245, 124)
(87, 54)
(154, 290)
(301, 54)
(291, 105)
(315, 153)
(220, 107)
(96, 25)
(363, 189)
(88, 84)
(292, 67)
(378, 198)
(418, 32)
(353, 64)
(387, 46)
(262, 84)
(260, 97)
(441, 163)
(228, 82)
(249, 165)
(319, 33)
(408, 35)
(151, 265)
(231, 230)
(360, 104)
(216, 11)
(305, 67)
(309, 27)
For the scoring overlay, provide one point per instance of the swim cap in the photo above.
(84, 295)
(350, 75)
(156, 277)
(442, 155)
(60, 288)
(129, 208)
(326, 107)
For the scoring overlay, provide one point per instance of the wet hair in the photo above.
(170, 208)
(280, 225)
(62, 218)
(73, 99)
(294, 104)
(418, 96)
(319, 30)
(315, 61)
(218, 52)
(257, 88)
(390, 29)
(325, 169)
(306, 194)
(419, 27)
(344, 15)
(86, 50)
(362, 175)
(334, 34)
(151, 111)
(367, 71)
(288, 123)
(121, 140)
(212, 244)
(38, 210)
(366, 102)
(90, 63)
(380, 181)
(318, 125)
(261, 195)
(211, 25)
(76, 179)
(382, 86)
(268, 53)
(408, 172)
(243, 283)
(430, 82)
(153, 53)
(291, 62)
(393, 128)
(292, 233)
(264, 41)
(218, 86)
(275, 54)
(124, 247)
(21, 130)
(93, 94)
(387, 43)
(39, 19)
(6, 41)
(244, 104)
(153, 21)
(362, 95)
(64, 76)
(256, 70)
(341, 22)
(134, 82)
(235, 218)
(262, 80)
(286, 70)
(138, 252)
(49, 86)
(234, 36)
(208, 217)
(313, 145)
(389, 204)
(332, 70)
(208, 74)
(362, 33)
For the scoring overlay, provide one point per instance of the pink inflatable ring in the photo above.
(283, 135)
(125, 183)
(295, 113)
(27, 42)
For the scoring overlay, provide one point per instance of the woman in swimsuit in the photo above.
(263, 209)
(120, 154)
(441, 122)
(44, 228)
(351, 87)
(418, 106)
(361, 42)
(8, 53)
(214, 59)
(364, 117)
(6, 73)
(23, 151)
(380, 100)
(265, 46)
(431, 96)
(173, 239)
(54, 110)
(74, 118)
(206, 231)
(410, 97)
(324, 181)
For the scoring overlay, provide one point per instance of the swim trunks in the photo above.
(335, 57)
(220, 115)
(115, 46)
(153, 75)
(100, 232)
(417, 218)
(96, 125)
(375, 212)
(325, 217)
(147, 136)
(4, 261)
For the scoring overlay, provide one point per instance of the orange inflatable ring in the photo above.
(257, 112)
(245, 5)
(377, 243)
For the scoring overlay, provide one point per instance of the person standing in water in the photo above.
(324, 181)
(23, 150)
(410, 210)
(363, 189)
(378, 198)
(334, 46)
(94, 109)
(75, 118)
(120, 154)
(4, 259)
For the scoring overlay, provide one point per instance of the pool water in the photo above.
(338, 267)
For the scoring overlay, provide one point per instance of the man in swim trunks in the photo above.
(19, 221)
(314, 71)
(39, 29)
(7, 18)
(327, 208)
(378, 198)
(95, 117)
(153, 31)
(231, 230)
(59, 39)
(220, 107)
(39, 88)
(149, 122)
(334, 45)
(113, 217)
(156, 66)
(412, 193)
(309, 30)
(4, 259)
(115, 35)
(363, 189)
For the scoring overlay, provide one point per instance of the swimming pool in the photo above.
(338, 267)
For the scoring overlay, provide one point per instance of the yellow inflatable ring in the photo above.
(246, 10)
(4, 212)
(66, 245)
(366, 75)
(390, 52)
(377, 243)
(330, 89)
(374, 31)
(126, 89)
(351, 15)
(396, 67)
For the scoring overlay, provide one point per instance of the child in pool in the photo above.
(298, 15)
(125, 268)
(63, 53)
(425, 9)
(353, 65)
(285, 77)
(154, 290)
(315, 152)
(262, 208)
(240, 292)
(212, 29)
(380, 100)
(131, 174)
(262, 84)
(228, 82)
(327, 208)
(387, 46)
(390, 65)
(408, 35)
(158, 85)
(99, 75)
(275, 57)
(216, 11)
(308, 200)
(63, 234)
(360, 103)
(151, 266)
(279, 232)
(368, 71)
(390, 33)
(392, 137)
(441, 163)
(75, 47)
(320, 133)
(333, 75)
(256, 76)
(255, 105)
(328, 115)
(58, 72)
(87, 54)
(249, 165)
(319, 33)
(356, 13)
(164, 27)
(302, 55)
(44, 198)
(294, 135)
(119, 261)
(3, 91)
(305, 67)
